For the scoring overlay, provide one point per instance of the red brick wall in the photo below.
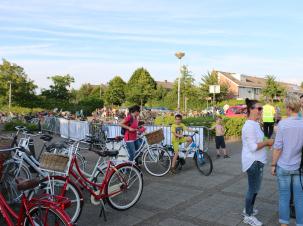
(233, 88)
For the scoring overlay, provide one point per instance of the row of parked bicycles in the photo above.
(47, 185)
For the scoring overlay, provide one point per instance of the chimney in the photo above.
(165, 81)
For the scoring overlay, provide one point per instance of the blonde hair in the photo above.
(293, 102)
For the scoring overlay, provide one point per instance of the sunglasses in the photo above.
(259, 108)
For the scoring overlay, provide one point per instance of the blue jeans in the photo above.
(285, 179)
(132, 147)
(255, 175)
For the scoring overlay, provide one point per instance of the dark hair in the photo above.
(301, 96)
(250, 105)
(178, 116)
(134, 109)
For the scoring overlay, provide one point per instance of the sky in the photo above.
(97, 40)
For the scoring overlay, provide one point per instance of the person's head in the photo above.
(254, 109)
(292, 104)
(219, 120)
(134, 110)
(301, 99)
(178, 119)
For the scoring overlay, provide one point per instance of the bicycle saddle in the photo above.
(46, 137)
(105, 153)
(23, 184)
(115, 139)
(55, 146)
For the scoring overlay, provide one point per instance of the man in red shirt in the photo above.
(130, 124)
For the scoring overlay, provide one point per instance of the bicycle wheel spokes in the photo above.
(203, 162)
(157, 161)
(124, 187)
(44, 216)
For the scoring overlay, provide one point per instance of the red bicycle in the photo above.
(120, 184)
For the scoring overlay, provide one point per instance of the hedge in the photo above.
(233, 126)
(10, 126)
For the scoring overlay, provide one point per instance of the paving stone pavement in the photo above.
(190, 199)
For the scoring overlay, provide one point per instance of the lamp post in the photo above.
(179, 55)
(10, 96)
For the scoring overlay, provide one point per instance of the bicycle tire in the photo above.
(53, 217)
(8, 183)
(161, 158)
(76, 204)
(120, 172)
(203, 159)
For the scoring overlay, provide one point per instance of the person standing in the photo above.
(130, 124)
(253, 158)
(286, 161)
(301, 101)
(268, 119)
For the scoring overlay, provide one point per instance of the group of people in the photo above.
(286, 161)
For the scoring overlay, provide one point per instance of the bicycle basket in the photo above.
(155, 137)
(4, 144)
(54, 162)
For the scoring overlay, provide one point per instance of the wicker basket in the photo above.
(155, 137)
(54, 162)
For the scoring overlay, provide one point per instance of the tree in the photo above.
(86, 90)
(212, 79)
(115, 93)
(23, 89)
(59, 89)
(272, 88)
(140, 87)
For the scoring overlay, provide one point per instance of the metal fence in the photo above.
(78, 129)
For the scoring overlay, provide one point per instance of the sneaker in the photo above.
(255, 212)
(218, 156)
(251, 220)
(226, 156)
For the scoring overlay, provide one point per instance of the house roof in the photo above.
(165, 84)
(257, 82)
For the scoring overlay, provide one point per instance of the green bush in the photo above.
(10, 126)
(233, 126)
(21, 110)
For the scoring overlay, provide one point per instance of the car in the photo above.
(236, 111)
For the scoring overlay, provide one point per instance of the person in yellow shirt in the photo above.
(268, 119)
(178, 138)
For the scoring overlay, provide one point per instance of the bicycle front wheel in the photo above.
(156, 161)
(124, 187)
(45, 215)
(12, 170)
(203, 162)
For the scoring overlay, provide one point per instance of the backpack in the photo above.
(123, 130)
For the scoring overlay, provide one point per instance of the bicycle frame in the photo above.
(26, 206)
(87, 184)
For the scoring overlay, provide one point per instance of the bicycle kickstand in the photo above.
(102, 211)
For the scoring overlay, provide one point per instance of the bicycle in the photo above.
(202, 160)
(119, 180)
(155, 158)
(45, 210)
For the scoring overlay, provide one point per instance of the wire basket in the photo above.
(54, 162)
(155, 137)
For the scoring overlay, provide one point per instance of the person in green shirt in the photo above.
(178, 138)
(268, 119)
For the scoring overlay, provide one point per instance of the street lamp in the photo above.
(10, 96)
(179, 55)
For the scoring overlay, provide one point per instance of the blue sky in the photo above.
(96, 40)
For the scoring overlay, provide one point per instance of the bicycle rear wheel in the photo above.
(71, 191)
(124, 187)
(156, 161)
(203, 162)
(46, 216)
